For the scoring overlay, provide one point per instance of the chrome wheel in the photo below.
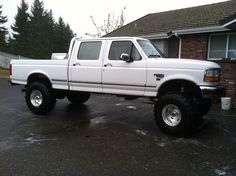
(171, 115)
(36, 98)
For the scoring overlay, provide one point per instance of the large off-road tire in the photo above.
(174, 114)
(39, 98)
(78, 98)
(204, 106)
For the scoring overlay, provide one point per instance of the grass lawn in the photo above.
(4, 73)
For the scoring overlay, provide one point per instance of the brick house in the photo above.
(205, 32)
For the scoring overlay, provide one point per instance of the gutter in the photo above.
(155, 36)
(164, 35)
(201, 30)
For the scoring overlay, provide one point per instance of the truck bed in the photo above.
(53, 69)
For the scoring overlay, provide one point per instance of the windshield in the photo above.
(149, 49)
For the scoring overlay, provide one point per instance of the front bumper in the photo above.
(213, 92)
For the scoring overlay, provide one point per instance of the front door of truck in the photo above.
(86, 66)
(119, 76)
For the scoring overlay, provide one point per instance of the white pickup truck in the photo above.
(126, 66)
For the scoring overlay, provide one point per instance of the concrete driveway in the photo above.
(108, 136)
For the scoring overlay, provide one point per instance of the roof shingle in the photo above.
(188, 18)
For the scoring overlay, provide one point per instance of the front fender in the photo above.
(178, 77)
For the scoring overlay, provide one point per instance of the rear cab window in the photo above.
(89, 50)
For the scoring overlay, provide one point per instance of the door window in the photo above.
(89, 50)
(120, 47)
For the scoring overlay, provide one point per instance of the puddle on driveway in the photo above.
(183, 141)
(118, 104)
(6, 145)
(141, 132)
(223, 171)
(32, 140)
(96, 121)
(131, 107)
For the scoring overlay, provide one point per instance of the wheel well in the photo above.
(180, 86)
(39, 77)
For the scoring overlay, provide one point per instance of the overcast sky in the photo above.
(77, 12)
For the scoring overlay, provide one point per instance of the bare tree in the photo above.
(110, 24)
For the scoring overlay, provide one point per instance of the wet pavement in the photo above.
(108, 136)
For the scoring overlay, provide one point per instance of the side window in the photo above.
(127, 47)
(89, 50)
(222, 46)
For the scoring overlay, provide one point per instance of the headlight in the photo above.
(212, 75)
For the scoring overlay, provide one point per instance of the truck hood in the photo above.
(184, 64)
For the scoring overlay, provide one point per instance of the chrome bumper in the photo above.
(213, 92)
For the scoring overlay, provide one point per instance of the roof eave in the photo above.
(164, 35)
(155, 36)
(230, 24)
(201, 30)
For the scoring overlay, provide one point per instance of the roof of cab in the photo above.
(109, 38)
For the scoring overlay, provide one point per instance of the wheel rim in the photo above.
(171, 115)
(36, 98)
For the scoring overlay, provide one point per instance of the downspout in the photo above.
(169, 34)
(180, 44)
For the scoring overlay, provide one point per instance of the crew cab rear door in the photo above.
(119, 76)
(85, 67)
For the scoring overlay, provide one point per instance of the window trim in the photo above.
(227, 45)
(89, 42)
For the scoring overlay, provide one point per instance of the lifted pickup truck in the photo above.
(127, 66)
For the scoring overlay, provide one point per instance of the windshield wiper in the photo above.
(153, 55)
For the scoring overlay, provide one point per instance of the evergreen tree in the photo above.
(36, 38)
(62, 37)
(49, 33)
(41, 27)
(46, 35)
(19, 43)
(37, 35)
(68, 36)
(3, 30)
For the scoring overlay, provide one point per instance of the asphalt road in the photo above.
(108, 136)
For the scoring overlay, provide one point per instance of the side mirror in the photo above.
(125, 57)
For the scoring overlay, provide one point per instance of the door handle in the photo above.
(108, 65)
(76, 64)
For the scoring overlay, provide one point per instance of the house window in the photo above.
(232, 46)
(222, 46)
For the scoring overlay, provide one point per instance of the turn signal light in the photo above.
(211, 79)
(212, 75)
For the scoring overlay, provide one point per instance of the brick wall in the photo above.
(229, 77)
(194, 46)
